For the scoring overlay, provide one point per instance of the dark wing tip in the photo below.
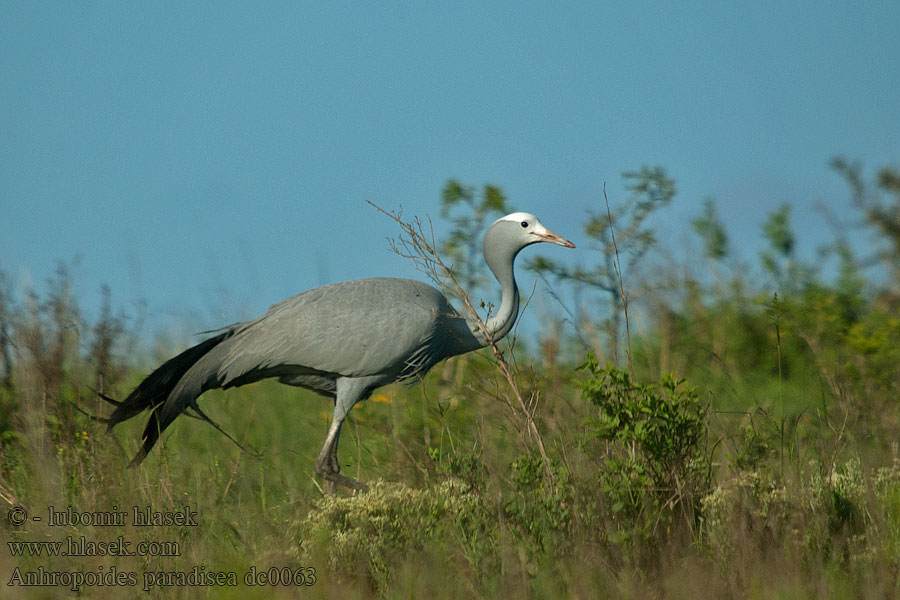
(138, 458)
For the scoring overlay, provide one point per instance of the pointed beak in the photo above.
(548, 236)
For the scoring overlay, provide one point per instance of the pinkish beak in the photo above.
(551, 237)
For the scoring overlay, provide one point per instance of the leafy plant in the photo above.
(540, 506)
(710, 228)
(652, 440)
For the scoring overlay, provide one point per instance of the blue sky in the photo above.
(214, 158)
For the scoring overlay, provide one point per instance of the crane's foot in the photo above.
(330, 473)
(333, 479)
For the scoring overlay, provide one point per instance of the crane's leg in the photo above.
(349, 392)
(327, 465)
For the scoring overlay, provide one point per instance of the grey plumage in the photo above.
(341, 340)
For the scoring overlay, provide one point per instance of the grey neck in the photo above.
(500, 261)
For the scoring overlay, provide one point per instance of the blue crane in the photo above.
(342, 340)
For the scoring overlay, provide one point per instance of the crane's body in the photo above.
(432, 329)
(342, 340)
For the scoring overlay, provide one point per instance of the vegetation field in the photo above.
(713, 428)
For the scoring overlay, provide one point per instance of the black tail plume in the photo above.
(153, 391)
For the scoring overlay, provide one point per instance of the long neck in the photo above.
(501, 322)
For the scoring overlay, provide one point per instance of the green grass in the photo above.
(453, 510)
(745, 481)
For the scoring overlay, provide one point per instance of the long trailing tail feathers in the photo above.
(154, 391)
(156, 387)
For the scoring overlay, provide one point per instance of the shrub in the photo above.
(367, 535)
(650, 441)
(844, 519)
(540, 508)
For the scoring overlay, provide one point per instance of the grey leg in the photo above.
(349, 392)
(327, 465)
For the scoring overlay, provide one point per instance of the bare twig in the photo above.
(618, 268)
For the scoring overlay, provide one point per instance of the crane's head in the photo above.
(521, 229)
(502, 241)
(507, 235)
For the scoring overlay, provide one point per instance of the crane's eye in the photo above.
(524, 223)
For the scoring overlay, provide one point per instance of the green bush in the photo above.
(650, 442)
(540, 508)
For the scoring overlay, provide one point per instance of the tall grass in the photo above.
(767, 468)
